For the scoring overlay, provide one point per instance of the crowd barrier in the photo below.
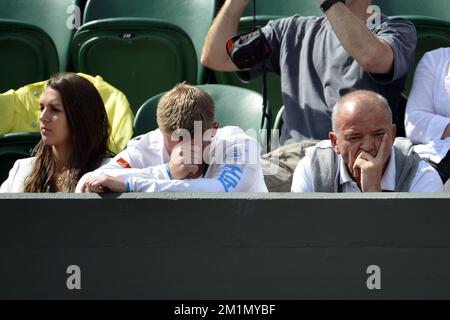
(225, 246)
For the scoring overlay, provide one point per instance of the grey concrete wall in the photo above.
(203, 246)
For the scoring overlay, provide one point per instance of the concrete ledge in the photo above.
(225, 246)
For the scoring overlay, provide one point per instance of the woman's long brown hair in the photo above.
(89, 133)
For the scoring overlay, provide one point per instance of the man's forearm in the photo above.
(373, 54)
(224, 27)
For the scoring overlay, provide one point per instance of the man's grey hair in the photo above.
(349, 97)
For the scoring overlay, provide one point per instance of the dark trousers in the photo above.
(443, 167)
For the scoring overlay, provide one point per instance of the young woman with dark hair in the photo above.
(74, 130)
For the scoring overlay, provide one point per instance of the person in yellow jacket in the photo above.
(20, 110)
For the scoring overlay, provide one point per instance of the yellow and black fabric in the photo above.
(20, 110)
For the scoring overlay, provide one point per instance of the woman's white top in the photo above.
(20, 171)
(17, 175)
(428, 109)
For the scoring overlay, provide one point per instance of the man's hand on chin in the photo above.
(368, 170)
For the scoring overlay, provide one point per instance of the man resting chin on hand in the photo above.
(362, 154)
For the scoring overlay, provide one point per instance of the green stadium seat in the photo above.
(235, 106)
(401, 109)
(278, 123)
(432, 33)
(267, 10)
(145, 118)
(284, 8)
(143, 47)
(141, 57)
(52, 16)
(14, 146)
(27, 54)
(430, 8)
(432, 21)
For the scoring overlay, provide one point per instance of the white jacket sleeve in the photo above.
(238, 171)
(302, 178)
(426, 179)
(7, 185)
(226, 178)
(137, 155)
(422, 122)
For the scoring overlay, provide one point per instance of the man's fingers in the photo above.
(382, 150)
(87, 185)
(191, 170)
(366, 156)
(197, 154)
(359, 164)
(356, 170)
(192, 154)
(96, 184)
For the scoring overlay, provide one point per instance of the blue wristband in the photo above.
(168, 171)
(127, 185)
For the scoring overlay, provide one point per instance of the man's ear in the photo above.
(214, 129)
(333, 139)
(394, 132)
(210, 133)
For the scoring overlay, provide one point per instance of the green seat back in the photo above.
(432, 21)
(284, 8)
(235, 106)
(193, 16)
(145, 119)
(51, 16)
(431, 34)
(141, 57)
(278, 123)
(27, 55)
(14, 146)
(430, 8)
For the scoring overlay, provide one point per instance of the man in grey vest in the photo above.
(362, 153)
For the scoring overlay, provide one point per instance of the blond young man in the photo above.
(187, 153)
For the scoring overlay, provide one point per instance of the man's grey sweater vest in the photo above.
(325, 166)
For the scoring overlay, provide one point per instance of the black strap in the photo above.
(328, 4)
(265, 108)
(204, 170)
(266, 116)
(265, 111)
